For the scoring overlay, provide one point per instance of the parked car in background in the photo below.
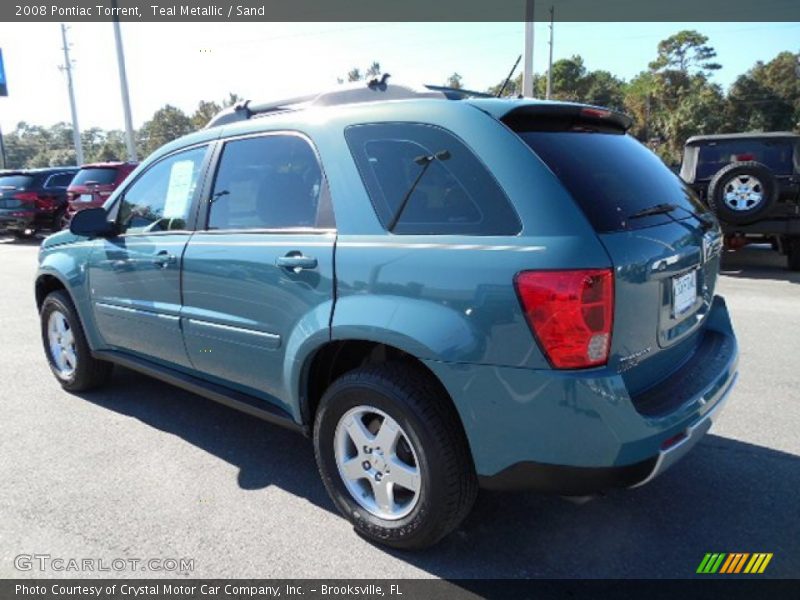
(34, 199)
(443, 292)
(752, 183)
(93, 185)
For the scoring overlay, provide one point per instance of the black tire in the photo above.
(793, 253)
(59, 219)
(89, 373)
(728, 175)
(410, 396)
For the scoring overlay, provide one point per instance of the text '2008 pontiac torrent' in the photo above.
(444, 291)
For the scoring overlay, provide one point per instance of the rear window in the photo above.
(95, 176)
(612, 177)
(446, 188)
(17, 182)
(775, 154)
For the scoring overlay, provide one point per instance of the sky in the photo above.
(180, 64)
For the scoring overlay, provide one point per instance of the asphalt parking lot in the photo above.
(143, 470)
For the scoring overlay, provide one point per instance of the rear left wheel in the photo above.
(393, 455)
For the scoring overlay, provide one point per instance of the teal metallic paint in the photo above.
(240, 310)
(583, 418)
(448, 300)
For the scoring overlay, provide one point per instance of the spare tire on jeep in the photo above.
(741, 192)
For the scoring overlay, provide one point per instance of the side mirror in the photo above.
(92, 222)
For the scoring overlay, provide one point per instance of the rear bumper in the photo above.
(579, 433)
(10, 223)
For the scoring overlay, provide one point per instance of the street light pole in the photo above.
(123, 87)
(550, 60)
(527, 70)
(67, 68)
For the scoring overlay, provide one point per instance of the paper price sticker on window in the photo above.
(180, 189)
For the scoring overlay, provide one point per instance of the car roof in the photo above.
(750, 135)
(110, 164)
(38, 171)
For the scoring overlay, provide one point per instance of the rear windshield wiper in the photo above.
(425, 161)
(667, 208)
(657, 209)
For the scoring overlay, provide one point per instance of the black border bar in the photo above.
(400, 10)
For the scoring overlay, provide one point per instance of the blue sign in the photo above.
(3, 88)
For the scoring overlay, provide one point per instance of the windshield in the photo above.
(95, 176)
(17, 182)
(612, 177)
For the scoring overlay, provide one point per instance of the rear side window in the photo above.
(269, 182)
(445, 187)
(59, 180)
(95, 176)
(775, 154)
(612, 177)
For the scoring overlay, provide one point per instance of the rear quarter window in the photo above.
(454, 194)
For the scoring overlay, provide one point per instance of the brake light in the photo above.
(26, 196)
(570, 313)
(597, 113)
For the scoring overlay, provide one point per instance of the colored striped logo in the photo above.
(734, 562)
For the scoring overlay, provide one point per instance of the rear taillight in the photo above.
(26, 196)
(570, 313)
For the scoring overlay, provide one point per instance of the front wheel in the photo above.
(393, 455)
(68, 354)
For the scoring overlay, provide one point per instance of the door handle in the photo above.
(296, 261)
(164, 259)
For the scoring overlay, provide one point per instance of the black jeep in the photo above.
(752, 182)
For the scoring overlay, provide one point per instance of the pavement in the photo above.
(143, 470)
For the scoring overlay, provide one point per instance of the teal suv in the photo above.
(443, 291)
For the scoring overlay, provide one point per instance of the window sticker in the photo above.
(179, 190)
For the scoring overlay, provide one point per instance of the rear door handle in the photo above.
(296, 261)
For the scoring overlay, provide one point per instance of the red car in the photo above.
(93, 185)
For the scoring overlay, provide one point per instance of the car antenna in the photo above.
(425, 161)
(510, 75)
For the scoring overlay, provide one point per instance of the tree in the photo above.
(204, 112)
(374, 70)
(684, 51)
(454, 81)
(753, 106)
(356, 74)
(167, 124)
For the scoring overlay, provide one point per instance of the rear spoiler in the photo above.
(561, 117)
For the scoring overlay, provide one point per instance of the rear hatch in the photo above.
(664, 246)
(91, 186)
(13, 194)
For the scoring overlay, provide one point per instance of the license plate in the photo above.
(684, 292)
(86, 198)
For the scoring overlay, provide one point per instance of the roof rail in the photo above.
(375, 89)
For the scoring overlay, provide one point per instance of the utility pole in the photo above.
(67, 68)
(550, 60)
(527, 70)
(123, 87)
